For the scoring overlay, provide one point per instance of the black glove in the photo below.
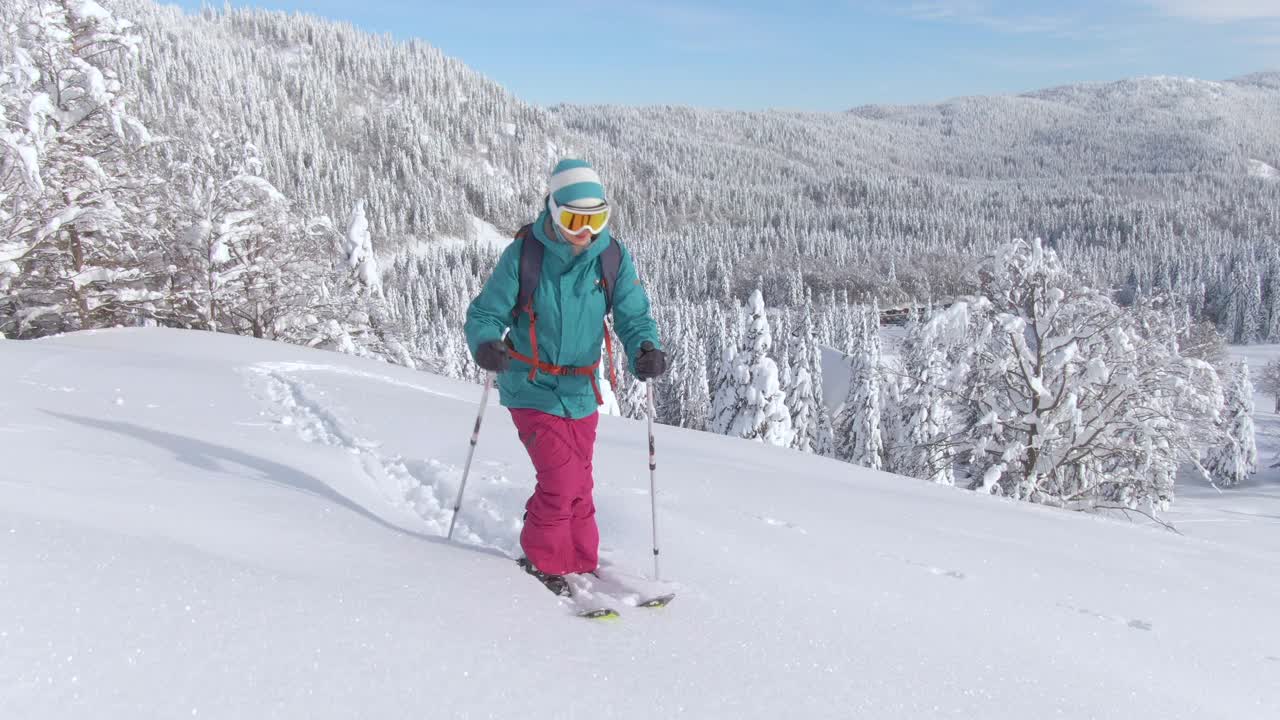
(651, 362)
(492, 356)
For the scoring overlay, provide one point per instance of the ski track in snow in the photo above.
(774, 522)
(931, 569)
(1130, 623)
(1263, 516)
(297, 367)
(426, 487)
(22, 428)
(51, 388)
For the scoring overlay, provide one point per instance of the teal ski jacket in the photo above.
(570, 305)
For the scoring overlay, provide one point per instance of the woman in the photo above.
(554, 298)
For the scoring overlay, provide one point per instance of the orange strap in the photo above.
(536, 365)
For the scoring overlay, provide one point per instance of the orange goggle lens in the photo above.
(575, 222)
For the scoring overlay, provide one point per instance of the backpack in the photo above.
(531, 252)
(531, 269)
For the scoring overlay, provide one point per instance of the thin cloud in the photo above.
(691, 18)
(703, 28)
(985, 14)
(1218, 11)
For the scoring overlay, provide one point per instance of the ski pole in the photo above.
(653, 482)
(475, 435)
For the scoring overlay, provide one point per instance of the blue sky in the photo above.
(820, 55)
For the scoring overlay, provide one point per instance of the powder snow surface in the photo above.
(199, 525)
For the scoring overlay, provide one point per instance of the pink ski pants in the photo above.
(560, 534)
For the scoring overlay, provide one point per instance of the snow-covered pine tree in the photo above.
(1235, 457)
(359, 251)
(689, 375)
(846, 332)
(358, 303)
(1269, 382)
(804, 416)
(1271, 297)
(825, 436)
(726, 390)
(780, 328)
(1251, 310)
(858, 426)
(763, 413)
(697, 406)
(924, 442)
(634, 399)
(824, 326)
(803, 400)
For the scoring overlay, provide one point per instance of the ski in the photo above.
(562, 588)
(660, 601)
(615, 585)
(589, 607)
(590, 594)
(600, 614)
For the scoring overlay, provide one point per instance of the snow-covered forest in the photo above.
(296, 179)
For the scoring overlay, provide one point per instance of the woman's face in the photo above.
(580, 240)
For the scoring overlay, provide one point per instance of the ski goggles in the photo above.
(572, 220)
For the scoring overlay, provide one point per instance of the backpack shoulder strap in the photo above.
(610, 266)
(530, 267)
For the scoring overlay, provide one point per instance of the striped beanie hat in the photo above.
(575, 182)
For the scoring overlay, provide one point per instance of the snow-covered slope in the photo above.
(1248, 514)
(1259, 169)
(197, 525)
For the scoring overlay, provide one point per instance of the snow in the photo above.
(91, 9)
(69, 215)
(96, 83)
(262, 185)
(358, 247)
(835, 377)
(1259, 169)
(487, 235)
(30, 158)
(482, 233)
(297, 55)
(255, 532)
(1248, 514)
(12, 250)
(102, 275)
(835, 368)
